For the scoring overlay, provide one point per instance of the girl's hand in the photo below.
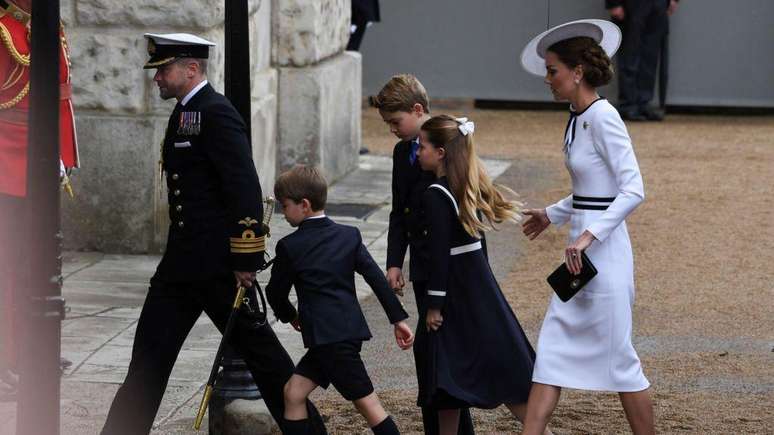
(573, 252)
(434, 319)
(537, 222)
(404, 336)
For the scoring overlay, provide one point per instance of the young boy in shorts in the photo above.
(320, 260)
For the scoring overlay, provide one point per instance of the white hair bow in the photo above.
(466, 127)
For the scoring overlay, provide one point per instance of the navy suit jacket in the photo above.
(407, 226)
(320, 260)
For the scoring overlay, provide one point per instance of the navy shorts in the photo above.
(338, 364)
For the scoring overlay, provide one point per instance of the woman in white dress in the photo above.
(585, 343)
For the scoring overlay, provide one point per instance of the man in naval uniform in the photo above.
(215, 242)
(14, 126)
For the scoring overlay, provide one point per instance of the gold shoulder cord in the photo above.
(5, 35)
(15, 100)
(21, 59)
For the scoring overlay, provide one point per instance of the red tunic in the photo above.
(14, 104)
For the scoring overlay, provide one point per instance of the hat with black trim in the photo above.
(605, 33)
(166, 48)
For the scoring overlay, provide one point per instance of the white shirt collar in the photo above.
(193, 92)
(315, 217)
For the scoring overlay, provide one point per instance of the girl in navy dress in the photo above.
(479, 355)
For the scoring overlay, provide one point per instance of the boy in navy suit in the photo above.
(404, 106)
(320, 260)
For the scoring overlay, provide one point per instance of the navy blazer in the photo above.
(407, 227)
(320, 260)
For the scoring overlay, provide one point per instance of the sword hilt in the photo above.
(268, 212)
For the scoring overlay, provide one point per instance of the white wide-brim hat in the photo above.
(607, 35)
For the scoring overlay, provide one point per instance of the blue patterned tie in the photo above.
(413, 153)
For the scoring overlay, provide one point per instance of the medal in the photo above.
(190, 123)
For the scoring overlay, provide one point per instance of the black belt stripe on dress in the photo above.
(602, 202)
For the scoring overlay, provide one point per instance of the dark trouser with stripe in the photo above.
(430, 415)
(644, 27)
(169, 313)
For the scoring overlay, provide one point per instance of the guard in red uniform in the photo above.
(14, 112)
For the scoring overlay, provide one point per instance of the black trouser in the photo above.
(169, 313)
(644, 28)
(429, 414)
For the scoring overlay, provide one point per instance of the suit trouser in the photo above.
(644, 27)
(430, 415)
(11, 272)
(169, 313)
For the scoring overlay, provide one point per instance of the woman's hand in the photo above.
(404, 336)
(434, 319)
(573, 252)
(536, 224)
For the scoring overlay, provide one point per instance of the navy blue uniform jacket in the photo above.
(215, 207)
(320, 260)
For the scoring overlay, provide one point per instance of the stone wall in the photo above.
(319, 86)
(120, 204)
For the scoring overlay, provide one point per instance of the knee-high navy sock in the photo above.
(295, 427)
(386, 427)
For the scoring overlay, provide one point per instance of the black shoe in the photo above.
(632, 115)
(652, 114)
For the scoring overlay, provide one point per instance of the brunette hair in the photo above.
(468, 180)
(400, 94)
(584, 51)
(302, 182)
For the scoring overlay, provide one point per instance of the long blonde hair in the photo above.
(468, 180)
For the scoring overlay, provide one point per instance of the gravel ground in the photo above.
(702, 243)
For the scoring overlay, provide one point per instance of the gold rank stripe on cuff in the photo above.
(248, 245)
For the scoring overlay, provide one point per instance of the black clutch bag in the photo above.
(565, 284)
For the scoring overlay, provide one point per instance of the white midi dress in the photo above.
(586, 343)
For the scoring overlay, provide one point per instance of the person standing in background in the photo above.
(364, 12)
(645, 24)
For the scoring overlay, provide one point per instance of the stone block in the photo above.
(260, 36)
(161, 14)
(116, 195)
(319, 115)
(67, 12)
(216, 63)
(107, 70)
(308, 31)
(248, 416)
(264, 127)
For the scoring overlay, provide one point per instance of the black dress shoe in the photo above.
(652, 114)
(632, 115)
